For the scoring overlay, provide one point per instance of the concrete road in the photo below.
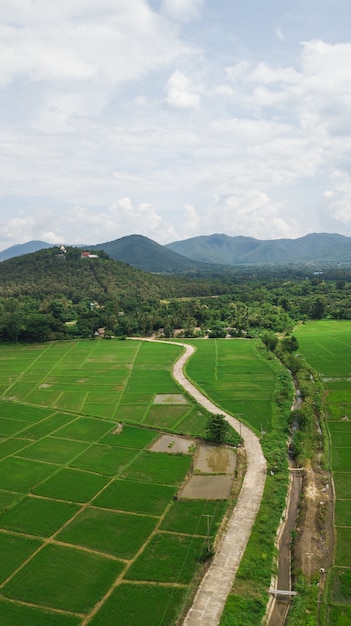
(210, 599)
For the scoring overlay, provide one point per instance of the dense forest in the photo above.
(51, 295)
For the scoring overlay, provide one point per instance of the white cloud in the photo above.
(280, 35)
(116, 42)
(182, 9)
(130, 100)
(120, 219)
(339, 197)
(181, 93)
(249, 212)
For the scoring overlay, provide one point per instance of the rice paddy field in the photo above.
(237, 378)
(90, 532)
(326, 345)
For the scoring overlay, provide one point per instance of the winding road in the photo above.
(217, 583)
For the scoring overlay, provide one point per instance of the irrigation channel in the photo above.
(280, 603)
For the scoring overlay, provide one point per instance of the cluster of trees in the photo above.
(48, 295)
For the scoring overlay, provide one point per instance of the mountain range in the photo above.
(198, 253)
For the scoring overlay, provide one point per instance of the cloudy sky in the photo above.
(174, 118)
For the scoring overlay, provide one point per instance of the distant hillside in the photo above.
(202, 254)
(136, 250)
(320, 248)
(145, 254)
(24, 248)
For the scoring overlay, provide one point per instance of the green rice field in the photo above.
(90, 532)
(327, 347)
(236, 378)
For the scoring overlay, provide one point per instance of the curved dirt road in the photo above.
(217, 583)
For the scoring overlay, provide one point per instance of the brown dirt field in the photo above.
(170, 398)
(172, 444)
(207, 488)
(215, 460)
(313, 548)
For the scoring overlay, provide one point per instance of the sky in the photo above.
(173, 119)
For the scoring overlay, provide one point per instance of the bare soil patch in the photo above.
(314, 543)
(118, 429)
(215, 460)
(170, 398)
(172, 444)
(207, 487)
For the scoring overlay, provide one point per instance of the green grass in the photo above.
(194, 517)
(343, 546)
(53, 450)
(14, 550)
(50, 579)
(130, 437)
(119, 534)
(341, 459)
(136, 497)
(133, 605)
(60, 450)
(37, 516)
(339, 616)
(165, 416)
(341, 586)
(13, 614)
(236, 377)
(23, 475)
(159, 468)
(168, 558)
(326, 345)
(103, 459)
(343, 512)
(342, 484)
(72, 485)
(11, 426)
(84, 429)
(47, 426)
(10, 446)
(7, 499)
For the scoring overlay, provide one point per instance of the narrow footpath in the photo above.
(217, 583)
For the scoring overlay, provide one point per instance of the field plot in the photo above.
(82, 497)
(327, 347)
(236, 378)
(168, 558)
(140, 604)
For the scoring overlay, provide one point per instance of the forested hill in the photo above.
(320, 248)
(200, 255)
(143, 253)
(50, 273)
(56, 294)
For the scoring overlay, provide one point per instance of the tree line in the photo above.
(48, 295)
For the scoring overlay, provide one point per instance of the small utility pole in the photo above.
(208, 531)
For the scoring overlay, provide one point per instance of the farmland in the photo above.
(87, 511)
(327, 347)
(245, 381)
(241, 382)
(82, 492)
